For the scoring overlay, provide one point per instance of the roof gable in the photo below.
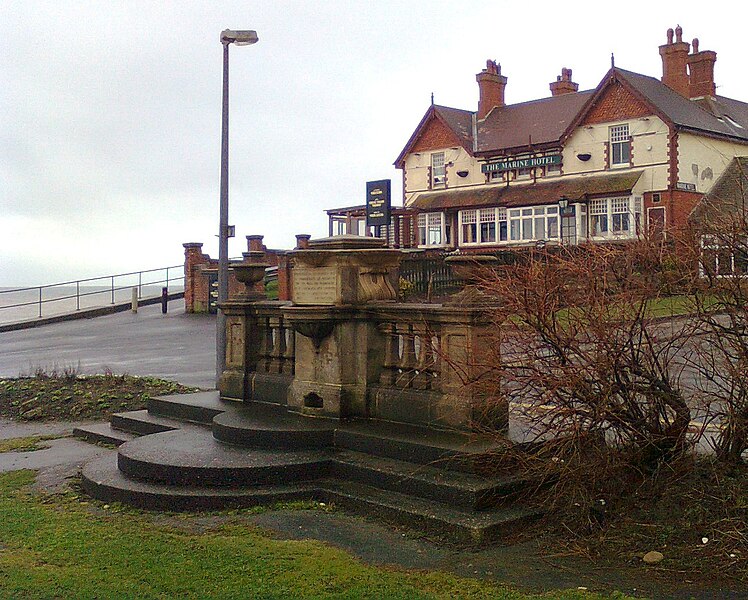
(440, 127)
(700, 116)
(616, 103)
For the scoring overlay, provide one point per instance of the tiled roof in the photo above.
(703, 115)
(549, 192)
(728, 194)
(529, 123)
(459, 121)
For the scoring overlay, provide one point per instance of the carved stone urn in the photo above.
(250, 274)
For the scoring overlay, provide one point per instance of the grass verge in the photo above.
(74, 396)
(26, 444)
(57, 547)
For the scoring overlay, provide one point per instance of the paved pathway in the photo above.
(175, 346)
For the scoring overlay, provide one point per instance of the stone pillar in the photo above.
(254, 243)
(338, 346)
(285, 274)
(302, 241)
(193, 279)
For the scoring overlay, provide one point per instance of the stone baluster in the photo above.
(266, 342)
(391, 354)
(279, 345)
(424, 364)
(289, 363)
(408, 360)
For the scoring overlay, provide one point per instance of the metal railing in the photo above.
(93, 292)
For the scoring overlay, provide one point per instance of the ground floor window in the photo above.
(722, 258)
(497, 225)
(533, 224)
(433, 229)
(613, 218)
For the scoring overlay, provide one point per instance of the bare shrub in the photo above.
(587, 365)
(720, 359)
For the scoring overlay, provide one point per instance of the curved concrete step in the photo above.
(200, 407)
(258, 426)
(102, 433)
(191, 456)
(141, 422)
(102, 480)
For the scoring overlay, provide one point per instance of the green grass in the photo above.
(26, 444)
(58, 547)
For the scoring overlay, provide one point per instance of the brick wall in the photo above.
(437, 136)
(198, 267)
(616, 104)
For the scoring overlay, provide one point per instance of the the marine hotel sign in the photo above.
(521, 163)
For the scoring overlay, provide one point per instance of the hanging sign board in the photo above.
(378, 202)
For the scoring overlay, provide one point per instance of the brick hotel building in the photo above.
(632, 156)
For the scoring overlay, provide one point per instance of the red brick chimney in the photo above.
(674, 56)
(491, 84)
(701, 72)
(563, 84)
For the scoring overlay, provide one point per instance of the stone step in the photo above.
(270, 426)
(191, 456)
(453, 488)
(102, 433)
(447, 523)
(102, 480)
(141, 422)
(200, 407)
(457, 451)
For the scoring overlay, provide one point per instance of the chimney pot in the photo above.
(695, 45)
(491, 84)
(563, 84)
(674, 58)
(701, 72)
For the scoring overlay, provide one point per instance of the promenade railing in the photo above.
(24, 303)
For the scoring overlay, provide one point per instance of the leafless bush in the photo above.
(587, 365)
(720, 302)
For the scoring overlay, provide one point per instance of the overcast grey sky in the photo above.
(110, 111)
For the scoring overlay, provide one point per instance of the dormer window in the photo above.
(620, 146)
(438, 170)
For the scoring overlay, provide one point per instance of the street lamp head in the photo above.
(243, 37)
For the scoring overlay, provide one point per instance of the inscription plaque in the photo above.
(316, 285)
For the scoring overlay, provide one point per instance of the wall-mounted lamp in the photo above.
(563, 202)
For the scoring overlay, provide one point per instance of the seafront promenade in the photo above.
(174, 346)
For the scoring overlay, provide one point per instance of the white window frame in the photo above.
(511, 226)
(432, 223)
(620, 139)
(620, 215)
(438, 170)
(711, 245)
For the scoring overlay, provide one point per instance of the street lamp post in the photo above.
(240, 38)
